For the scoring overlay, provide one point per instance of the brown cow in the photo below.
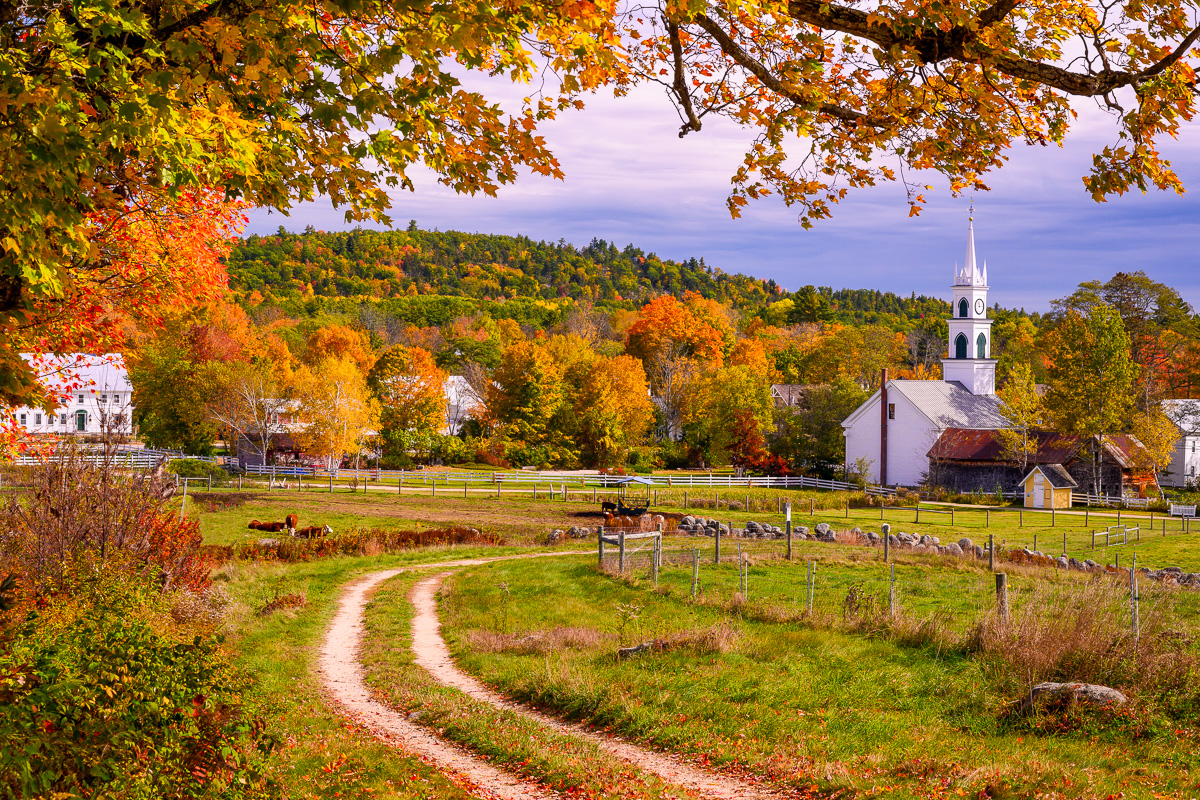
(291, 520)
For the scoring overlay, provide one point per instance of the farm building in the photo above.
(93, 392)
(964, 460)
(1185, 461)
(1048, 486)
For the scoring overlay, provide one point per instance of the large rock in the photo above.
(822, 528)
(802, 531)
(1056, 694)
(965, 543)
(954, 549)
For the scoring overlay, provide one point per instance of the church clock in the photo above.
(979, 306)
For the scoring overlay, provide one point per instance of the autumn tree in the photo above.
(121, 120)
(339, 341)
(841, 96)
(525, 401)
(1090, 378)
(712, 420)
(1158, 434)
(810, 434)
(610, 408)
(249, 401)
(1021, 408)
(411, 393)
(336, 410)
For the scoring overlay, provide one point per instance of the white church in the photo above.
(894, 429)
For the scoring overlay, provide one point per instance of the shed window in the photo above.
(891, 410)
(960, 346)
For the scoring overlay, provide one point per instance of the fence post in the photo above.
(1002, 596)
(952, 516)
(465, 484)
(299, 481)
(210, 481)
(655, 497)
(1093, 540)
(1133, 600)
(1052, 515)
(847, 508)
(433, 488)
(331, 481)
(684, 499)
(887, 546)
(892, 594)
(654, 556)
(600, 542)
(987, 518)
(717, 542)
(746, 507)
(810, 586)
(1021, 518)
(1118, 515)
(1064, 543)
(621, 554)
(917, 521)
(789, 540)
(695, 570)
(1086, 513)
(1035, 541)
(992, 552)
(812, 512)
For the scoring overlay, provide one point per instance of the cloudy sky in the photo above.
(630, 179)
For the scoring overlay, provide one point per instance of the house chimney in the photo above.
(883, 425)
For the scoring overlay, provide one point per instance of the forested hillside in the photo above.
(414, 272)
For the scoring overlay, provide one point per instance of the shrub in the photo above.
(101, 703)
(195, 468)
(78, 520)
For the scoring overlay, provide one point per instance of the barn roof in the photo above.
(1056, 474)
(960, 444)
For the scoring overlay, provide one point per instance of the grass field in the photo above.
(809, 704)
(519, 518)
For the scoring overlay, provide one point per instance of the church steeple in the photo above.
(970, 359)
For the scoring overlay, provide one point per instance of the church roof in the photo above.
(949, 404)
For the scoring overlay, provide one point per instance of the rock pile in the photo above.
(702, 526)
(573, 532)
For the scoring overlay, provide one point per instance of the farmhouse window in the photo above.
(24, 419)
(891, 410)
(62, 419)
(37, 419)
(80, 398)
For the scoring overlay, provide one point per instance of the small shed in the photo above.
(1048, 486)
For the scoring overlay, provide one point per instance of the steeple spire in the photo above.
(970, 275)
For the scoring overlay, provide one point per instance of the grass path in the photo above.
(432, 653)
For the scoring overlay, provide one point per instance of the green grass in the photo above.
(512, 741)
(805, 705)
(320, 755)
(517, 517)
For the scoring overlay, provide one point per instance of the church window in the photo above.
(891, 410)
(960, 346)
(962, 307)
(981, 346)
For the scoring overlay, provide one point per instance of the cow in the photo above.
(609, 507)
(291, 520)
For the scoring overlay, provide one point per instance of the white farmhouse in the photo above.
(93, 392)
(1185, 463)
(893, 431)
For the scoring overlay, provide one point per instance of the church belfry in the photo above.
(970, 359)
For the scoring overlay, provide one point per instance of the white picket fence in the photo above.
(460, 478)
(1085, 499)
(128, 457)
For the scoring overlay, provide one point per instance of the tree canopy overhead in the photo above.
(852, 92)
(135, 109)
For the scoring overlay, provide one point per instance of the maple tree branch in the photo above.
(768, 79)
(934, 45)
(680, 84)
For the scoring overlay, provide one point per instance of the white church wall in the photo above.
(862, 438)
(910, 435)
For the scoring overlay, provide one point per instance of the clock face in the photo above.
(979, 306)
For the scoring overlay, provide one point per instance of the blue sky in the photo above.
(630, 179)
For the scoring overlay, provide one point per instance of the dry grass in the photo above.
(293, 600)
(537, 642)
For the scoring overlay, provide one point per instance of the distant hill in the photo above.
(428, 277)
